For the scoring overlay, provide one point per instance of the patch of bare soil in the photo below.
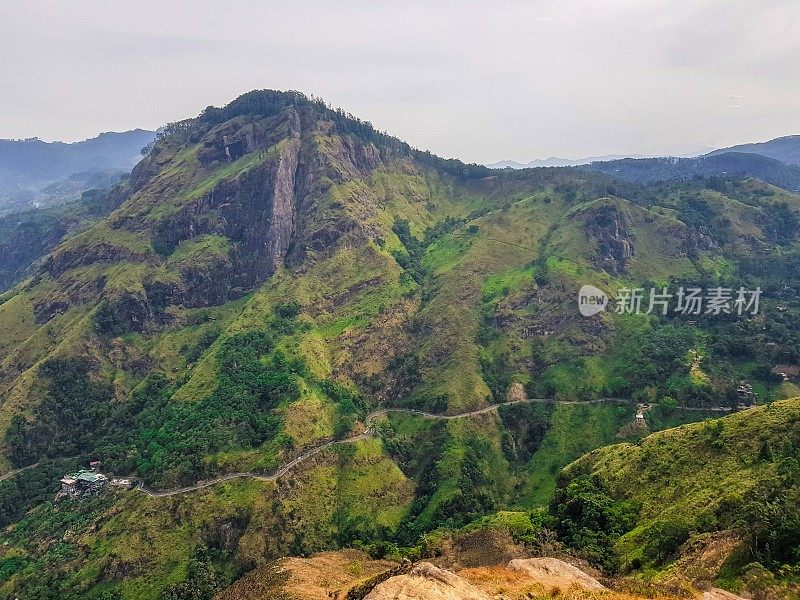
(478, 549)
(516, 392)
(636, 428)
(702, 557)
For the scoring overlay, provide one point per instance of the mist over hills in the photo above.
(29, 167)
(784, 149)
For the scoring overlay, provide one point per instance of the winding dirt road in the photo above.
(368, 421)
(369, 432)
(20, 470)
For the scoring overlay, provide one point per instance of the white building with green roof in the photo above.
(83, 483)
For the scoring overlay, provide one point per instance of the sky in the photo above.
(480, 81)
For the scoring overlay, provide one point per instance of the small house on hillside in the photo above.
(83, 483)
(745, 393)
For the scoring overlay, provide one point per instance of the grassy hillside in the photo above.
(670, 492)
(275, 270)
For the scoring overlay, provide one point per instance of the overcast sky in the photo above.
(481, 81)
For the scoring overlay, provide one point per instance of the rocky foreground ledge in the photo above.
(352, 575)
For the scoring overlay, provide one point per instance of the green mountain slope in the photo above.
(275, 271)
(737, 474)
(28, 236)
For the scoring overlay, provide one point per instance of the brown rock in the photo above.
(516, 392)
(554, 573)
(426, 582)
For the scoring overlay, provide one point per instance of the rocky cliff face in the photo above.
(694, 241)
(258, 181)
(278, 233)
(608, 228)
(23, 246)
(272, 208)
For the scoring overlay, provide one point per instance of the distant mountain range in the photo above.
(739, 165)
(30, 168)
(784, 149)
(776, 161)
(555, 161)
(36, 174)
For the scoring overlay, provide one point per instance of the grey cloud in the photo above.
(479, 80)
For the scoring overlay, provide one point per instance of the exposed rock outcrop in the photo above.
(278, 234)
(426, 582)
(609, 229)
(121, 312)
(554, 573)
(703, 556)
(68, 258)
(516, 392)
(324, 576)
(694, 241)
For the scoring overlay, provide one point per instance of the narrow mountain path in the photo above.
(369, 432)
(20, 470)
(370, 418)
(250, 474)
